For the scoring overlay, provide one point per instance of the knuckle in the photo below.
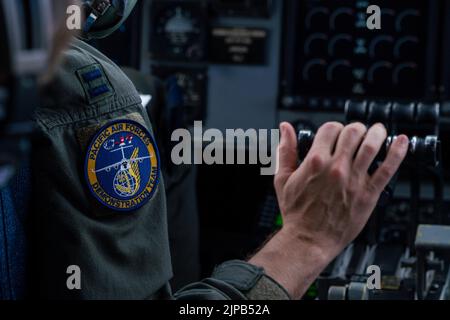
(282, 146)
(369, 149)
(371, 190)
(356, 129)
(337, 173)
(397, 154)
(352, 189)
(281, 153)
(317, 162)
(277, 182)
(367, 197)
(386, 172)
(332, 126)
(284, 151)
(279, 177)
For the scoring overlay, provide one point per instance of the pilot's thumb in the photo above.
(287, 154)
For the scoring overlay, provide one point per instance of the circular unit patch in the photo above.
(122, 166)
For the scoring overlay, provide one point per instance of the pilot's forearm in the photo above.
(291, 261)
(327, 201)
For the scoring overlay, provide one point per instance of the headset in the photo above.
(103, 17)
(26, 28)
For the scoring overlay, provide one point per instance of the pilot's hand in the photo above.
(327, 201)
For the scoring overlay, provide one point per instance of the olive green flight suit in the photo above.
(121, 255)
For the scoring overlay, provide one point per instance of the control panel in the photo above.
(178, 30)
(444, 61)
(192, 82)
(243, 8)
(255, 63)
(331, 55)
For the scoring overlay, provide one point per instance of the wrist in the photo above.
(292, 260)
(304, 248)
(301, 242)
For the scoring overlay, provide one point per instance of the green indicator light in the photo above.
(312, 292)
(279, 221)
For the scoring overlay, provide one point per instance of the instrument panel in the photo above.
(243, 8)
(335, 56)
(320, 54)
(192, 82)
(179, 30)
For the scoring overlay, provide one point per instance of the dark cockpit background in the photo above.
(253, 63)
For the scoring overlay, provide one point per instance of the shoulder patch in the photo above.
(122, 165)
(95, 83)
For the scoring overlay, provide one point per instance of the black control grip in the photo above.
(422, 150)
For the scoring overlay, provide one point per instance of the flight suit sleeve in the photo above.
(235, 280)
(98, 225)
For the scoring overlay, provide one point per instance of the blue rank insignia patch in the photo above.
(122, 166)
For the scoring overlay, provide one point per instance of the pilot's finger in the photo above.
(396, 155)
(374, 140)
(349, 141)
(326, 139)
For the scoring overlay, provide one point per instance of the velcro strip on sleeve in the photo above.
(97, 91)
(95, 83)
(92, 75)
(251, 280)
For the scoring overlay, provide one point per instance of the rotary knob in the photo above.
(317, 19)
(379, 112)
(380, 72)
(407, 21)
(403, 113)
(341, 46)
(342, 19)
(316, 45)
(406, 48)
(315, 70)
(381, 47)
(405, 74)
(340, 71)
